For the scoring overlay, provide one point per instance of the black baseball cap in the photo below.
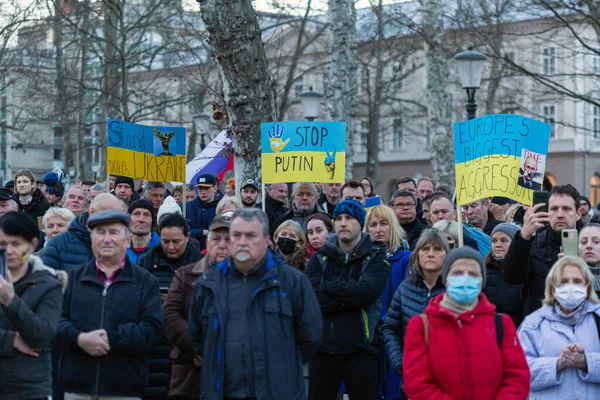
(9, 184)
(6, 194)
(206, 180)
(249, 182)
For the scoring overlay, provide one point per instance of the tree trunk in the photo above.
(374, 137)
(342, 70)
(112, 82)
(60, 102)
(235, 38)
(439, 101)
(83, 145)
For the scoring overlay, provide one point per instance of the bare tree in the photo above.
(235, 38)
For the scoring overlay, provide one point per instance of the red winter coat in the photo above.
(463, 360)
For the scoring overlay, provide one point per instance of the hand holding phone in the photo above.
(541, 197)
(570, 242)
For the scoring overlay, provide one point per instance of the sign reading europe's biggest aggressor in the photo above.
(153, 153)
(500, 155)
(298, 151)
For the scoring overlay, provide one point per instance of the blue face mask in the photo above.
(464, 289)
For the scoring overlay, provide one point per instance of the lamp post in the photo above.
(470, 66)
(311, 102)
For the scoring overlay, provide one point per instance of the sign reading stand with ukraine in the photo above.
(153, 153)
(298, 151)
(500, 155)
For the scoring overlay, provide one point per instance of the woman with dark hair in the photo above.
(30, 304)
(367, 185)
(163, 260)
(318, 227)
(413, 294)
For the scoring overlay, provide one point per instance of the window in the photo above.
(549, 61)
(397, 77)
(549, 114)
(596, 119)
(397, 138)
(364, 79)
(57, 154)
(298, 87)
(364, 130)
(596, 65)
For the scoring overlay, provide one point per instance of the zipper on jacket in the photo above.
(104, 293)
(366, 322)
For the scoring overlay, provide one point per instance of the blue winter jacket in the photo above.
(70, 249)
(130, 312)
(199, 216)
(543, 335)
(136, 257)
(286, 330)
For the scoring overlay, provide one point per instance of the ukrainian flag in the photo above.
(153, 153)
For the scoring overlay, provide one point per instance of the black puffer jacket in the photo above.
(528, 263)
(507, 298)
(411, 298)
(37, 206)
(163, 268)
(70, 249)
(34, 314)
(274, 209)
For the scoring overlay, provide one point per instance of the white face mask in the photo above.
(570, 296)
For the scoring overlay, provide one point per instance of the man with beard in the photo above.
(142, 237)
(249, 193)
(31, 200)
(304, 199)
(332, 197)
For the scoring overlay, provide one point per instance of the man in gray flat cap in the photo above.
(111, 318)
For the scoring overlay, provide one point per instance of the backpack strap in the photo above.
(425, 328)
(500, 329)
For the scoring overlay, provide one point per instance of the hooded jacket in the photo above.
(462, 359)
(136, 257)
(33, 313)
(543, 335)
(200, 215)
(528, 262)
(410, 299)
(185, 374)
(286, 331)
(349, 289)
(38, 205)
(70, 249)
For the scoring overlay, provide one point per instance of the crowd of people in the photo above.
(120, 291)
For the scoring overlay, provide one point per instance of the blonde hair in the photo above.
(553, 278)
(63, 213)
(294, 226)
(226, 201)
(397, 234)
(449, 227)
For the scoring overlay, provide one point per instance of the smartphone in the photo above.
(541, 196)
(570, 242)
(3, 264)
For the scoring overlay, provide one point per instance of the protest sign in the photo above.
(500, 155)
(153, 153)
(371, 202)
(303, 151)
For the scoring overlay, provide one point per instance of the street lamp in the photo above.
(470, 66)
(311, 102)
(201, 123)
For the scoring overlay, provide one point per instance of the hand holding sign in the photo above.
(330, 162)
(276, 138)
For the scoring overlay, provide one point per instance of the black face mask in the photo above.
(286, 245)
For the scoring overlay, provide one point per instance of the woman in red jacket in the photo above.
(458, 349)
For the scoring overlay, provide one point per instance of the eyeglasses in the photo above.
(403, 205)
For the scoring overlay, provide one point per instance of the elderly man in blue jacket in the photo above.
(111, 317)
(254, 319)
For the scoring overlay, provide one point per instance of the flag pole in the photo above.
(459, 217)
(183, 200)
(262, 195)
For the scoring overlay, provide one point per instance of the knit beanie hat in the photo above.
(463, 252)
(583, 198)
(508, 228)
(352, 208)
(124, 179)
(169, 206)
(141, 203)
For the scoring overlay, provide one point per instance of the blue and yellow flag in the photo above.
(500, 155)
(153, 153)
(298, 151)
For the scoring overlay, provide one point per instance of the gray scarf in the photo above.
(596, 282)
(455, 307)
